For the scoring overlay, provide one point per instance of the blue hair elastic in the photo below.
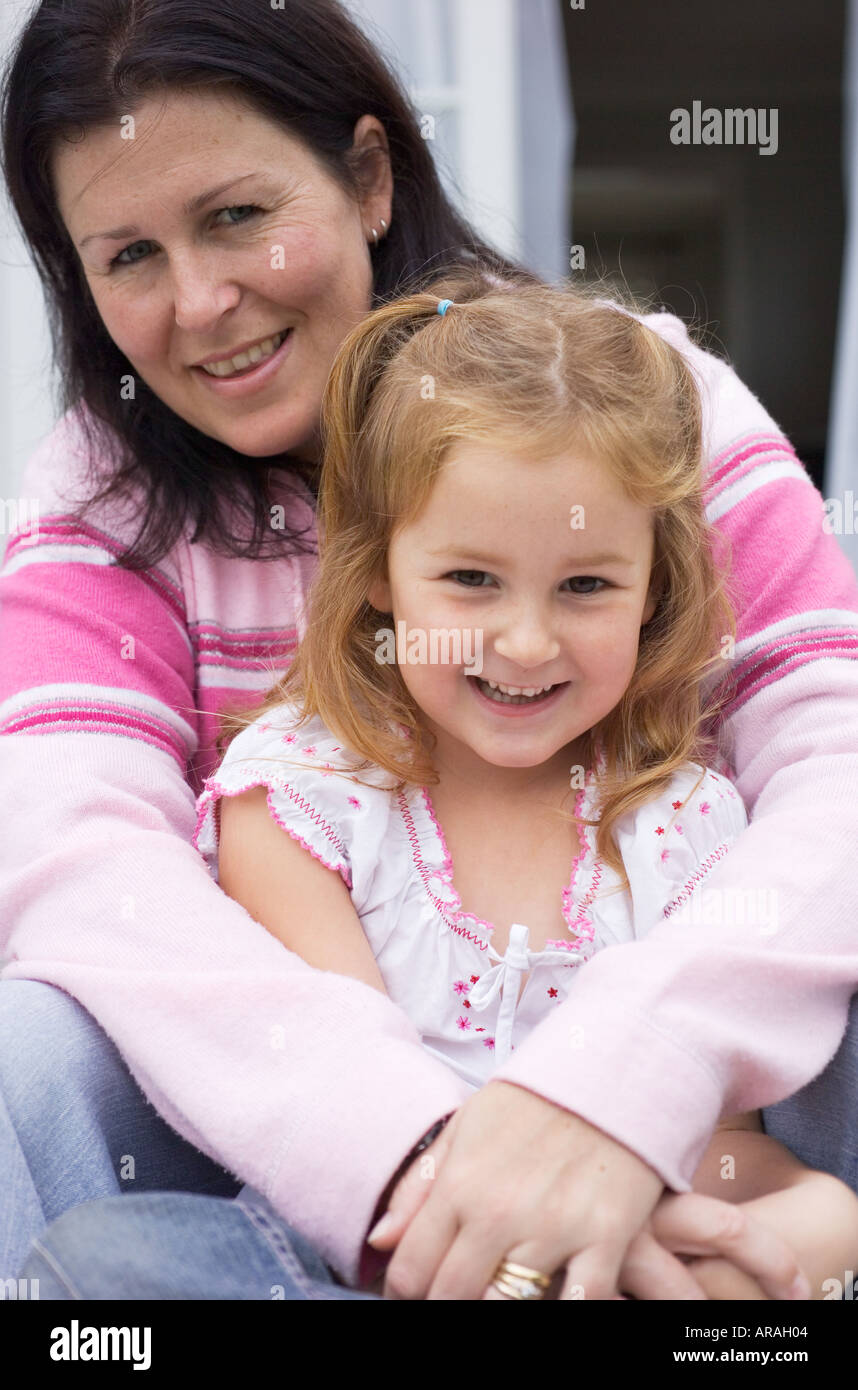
(443, 305)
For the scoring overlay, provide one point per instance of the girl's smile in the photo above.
(523, 704)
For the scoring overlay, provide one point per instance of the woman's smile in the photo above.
(227, 379)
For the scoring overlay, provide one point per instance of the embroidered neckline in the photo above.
(438, 878)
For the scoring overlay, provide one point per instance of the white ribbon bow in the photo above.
(504, 978)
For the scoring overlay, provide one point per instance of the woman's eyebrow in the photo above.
(193, 205)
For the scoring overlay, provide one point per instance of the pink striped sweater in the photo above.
(108, 691)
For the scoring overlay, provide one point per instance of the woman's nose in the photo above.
(527, 641)
(201, 295)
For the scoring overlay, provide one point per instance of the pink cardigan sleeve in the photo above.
(307, 1085)
(695, 1022)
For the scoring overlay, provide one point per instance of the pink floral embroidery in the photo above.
(705, 808)
(463, 1023)
(659, 830)
(311, 752)
(665, 855)
(353, 801)
(679, 830)
(552, 994)
(489, 1042)
(290, 738)
(263, 728)
(460, 987)
(676, 805)
(479, 1030)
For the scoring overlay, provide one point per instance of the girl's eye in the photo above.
(472, 579)
(585, 579)
(117, 260)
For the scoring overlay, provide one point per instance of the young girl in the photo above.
(490, 754)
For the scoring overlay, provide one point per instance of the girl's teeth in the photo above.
(512, 694)
(518, 689)
(246, 359)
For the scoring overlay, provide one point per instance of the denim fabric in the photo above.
(820, 1122)
(70, 1115)
(177, 1245)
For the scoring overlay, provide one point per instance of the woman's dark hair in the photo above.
(83, 64)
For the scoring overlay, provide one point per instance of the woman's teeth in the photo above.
(246, 359)
(512, 694)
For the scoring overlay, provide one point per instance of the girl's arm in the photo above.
(299, 900)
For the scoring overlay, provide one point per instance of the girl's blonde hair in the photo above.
(541, 370)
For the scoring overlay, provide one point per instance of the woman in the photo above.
(118, 118)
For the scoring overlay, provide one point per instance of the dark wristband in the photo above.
(373, 1261)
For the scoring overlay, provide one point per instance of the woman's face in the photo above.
(277, 246)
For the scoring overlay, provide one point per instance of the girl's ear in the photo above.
(379, 595)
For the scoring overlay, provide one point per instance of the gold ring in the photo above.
(519, 1282)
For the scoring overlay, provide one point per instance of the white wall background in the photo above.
(492, 73)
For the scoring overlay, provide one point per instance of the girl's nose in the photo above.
(527, 643)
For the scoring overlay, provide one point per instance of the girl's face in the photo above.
(179, 278)
(547, 565)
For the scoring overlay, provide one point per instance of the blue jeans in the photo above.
(70, 1110)
(71, 1118)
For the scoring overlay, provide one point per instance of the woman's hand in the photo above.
(513, 1176)
(741, 1256)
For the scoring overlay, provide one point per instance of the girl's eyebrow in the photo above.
(193, 205)
(573, 561)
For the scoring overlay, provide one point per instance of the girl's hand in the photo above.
(513, 1176)
(818, 1215)
(742, 1256)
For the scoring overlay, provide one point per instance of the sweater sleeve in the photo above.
(309, 1086)
(692, 1023)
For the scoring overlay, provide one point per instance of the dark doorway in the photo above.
(747, 244)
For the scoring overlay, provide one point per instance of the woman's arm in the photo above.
(299, 900)
(740, 1011)
(272, 1068)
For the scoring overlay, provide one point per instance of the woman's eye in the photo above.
(117, 260)
(250, 208)
(243, 207)
(472, 579)
(585, 579)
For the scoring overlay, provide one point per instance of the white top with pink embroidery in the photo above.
(437, 961)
